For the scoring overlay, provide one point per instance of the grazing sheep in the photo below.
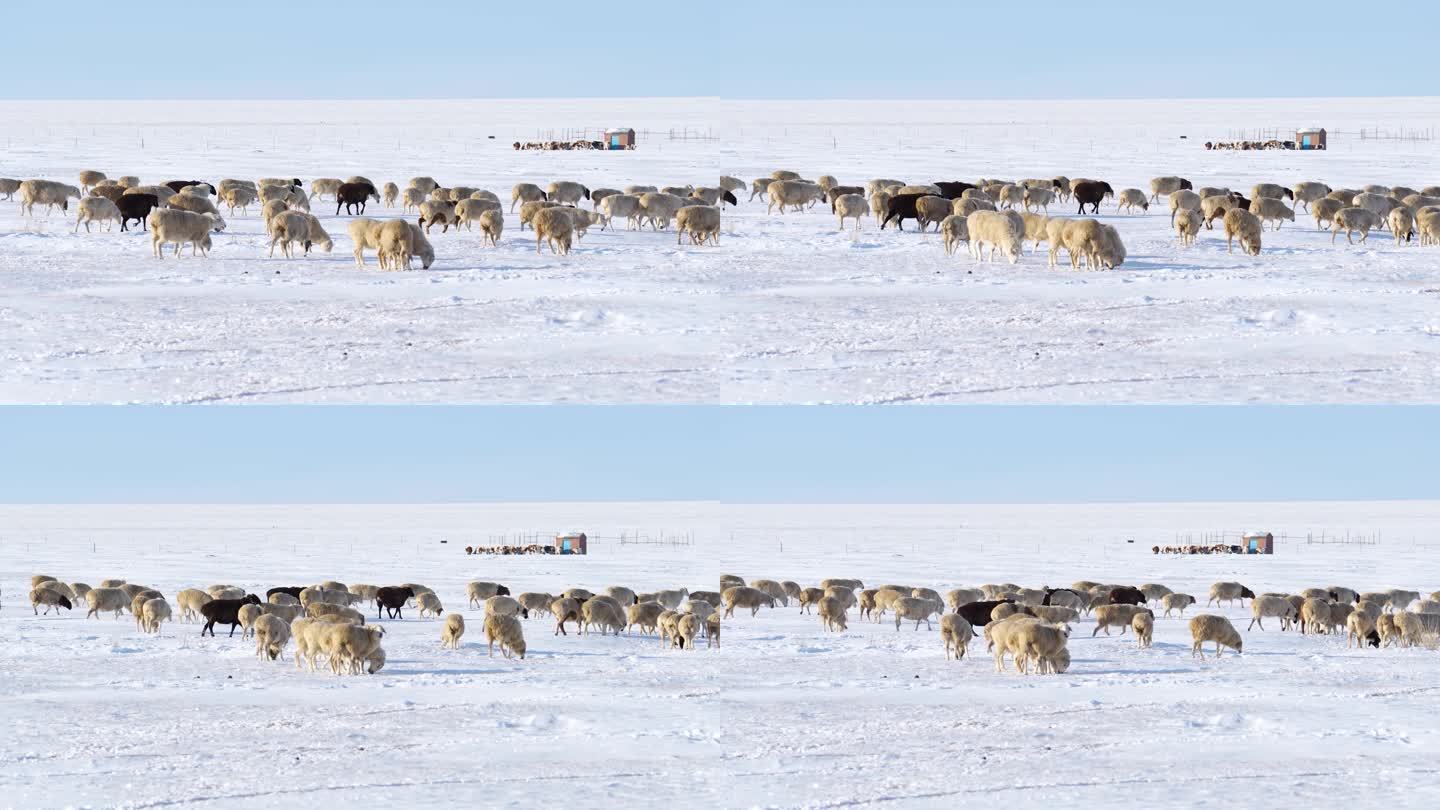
(832, 613)
(96, 209)
(429, 604)
(1275, 606)
(798, 194)
(50, 599)
(1098, 245)
(996, 231)
(290, 228)
(1324, 212)
(1131, 198)
(271, 635)
(8, 187)
(565, 609)
(1377, 204)
(955, 634)
(1354, 219)
(1358, 627)
(645, 615)
(1401, 221)
(553, 226)
(602, 612)
(436, 211)
(388, 192)
(1184, 200)
(152, 613)
(1209, 627)
(1416, 628)
(526, 192)
(1242, 223)
(1229, 592)
(700, 222)
(1187, 226)
(396, 244)
(451, 632)
(107, 599)
(354, 195)
(808, 597)
(1054, 614)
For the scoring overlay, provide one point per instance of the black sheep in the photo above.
(225, 611)
(135, 206)
(392, 599)
(1125, 595)
(900, 208)
(953, 189)
(295, 592)
(1091, 192)
(978, 613)
(501, 590)
(1246, 593)
(727, 197)
(353, 194)
(1052, 591)
(176, 185)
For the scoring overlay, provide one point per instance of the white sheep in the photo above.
(106, 599)
(180, 228)
(1269, 209)
(96, 209)
(451, 632)
(553, 226)
(798, 194)
(1039, 197)
(152, 613)
(700, 222)
(478, 591)
(1308, 192)
(190, 601)
(910, 608)
(955, 634)
(996, 231)
(8, 187)
(1183, 199)
(1402, 224)
(1209, 627)
(1176, 601)
(1354, 219)
(1273, 606)
(525, 192)
(1245, 225)
(502, 605)
(1131, 198)
(1165, 185)
(746, 597)
(48, 193)
(271, 635)
(297, 227)
(851, 206)
(1187, 226)
(832, 613)
(429, 604)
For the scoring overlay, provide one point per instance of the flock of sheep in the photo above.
(1033, 625)
(325, 624)
(989, 216)
(993, 216)
(187, 212)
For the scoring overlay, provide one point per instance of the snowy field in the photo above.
(783, 715)
(786, 309)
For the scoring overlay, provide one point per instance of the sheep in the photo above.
(526, 192)
(671, 599)
(1107, 616)
(152, 613)
(478, 591)
(79, 589)
(1342, 594)
(1166, 186)
(322, 610)
(468, 211)
(1387, 629)
(1176, 601)
(1187, 226)
(798, 194)
(850, 206)
(620, 205)
(1061, 597)
(1144, 626)
(1426, 606)
(288, 613)
(1098, 245)
(1354, 219)
(396, 244)
(1269, 209)
(1379, 598)
(916, 610)
(50, 599)
(746, 597)
(451, 631)
(1005, 610)
(8, 187)
(955, 634)
(644, 615)
(582, 595)
(297, 227)
(127, 181)
(271, 636)
(602, 612)
(1416, 628)
(96, 209)
(832, 613)
(1091, 193)
(1377, 204)
(996, 231)
(108, 599)
(1037, 197)
(1358, 627)
(90, 178)
(434, 211)
(1209, 627)
(348, 646)
(565, 609)
(726, 182)
(47, 192)
(137, 602)
(353, 195)
(701, 222)
(1183, 200)
(1213, 208)
(1054, 614)
(1129, 198)
(533, 602)
(553, 226)
(565, 191)
(502, 604)
(1306, 193)
(224, 611)
(180, 228)
(1275, 606)
(1401, 221)
(240, 197)
(429, 604)
(1401, 598)
(1242, 223)
(393, 599)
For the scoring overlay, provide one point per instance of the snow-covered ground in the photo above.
(786, 309)
(783, 715)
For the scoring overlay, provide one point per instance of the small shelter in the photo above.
(1312, 138)
(574, 543)
(619, 139)
(1258, 543)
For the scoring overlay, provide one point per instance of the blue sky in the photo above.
(740, 48)
(740, 454)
